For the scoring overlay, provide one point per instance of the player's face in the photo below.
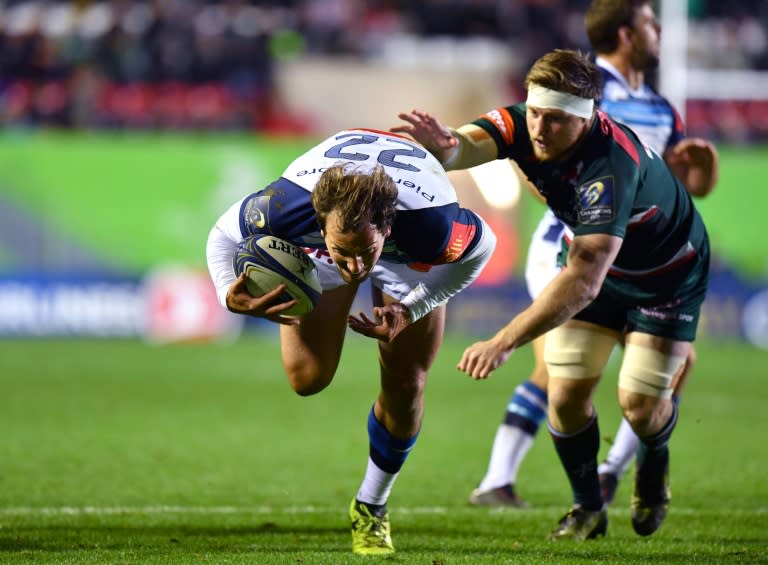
(646, 38)
(354, 253)
(554, 133)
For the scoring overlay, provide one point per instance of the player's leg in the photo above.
(312, 349)
(525, 412)
(576, 354)
(393, 425)
(626, 442)
(648, 371)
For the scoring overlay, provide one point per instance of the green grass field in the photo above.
(121, 452)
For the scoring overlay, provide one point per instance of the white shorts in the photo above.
(541, 263)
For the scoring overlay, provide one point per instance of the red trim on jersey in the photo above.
(635, 221)
(610, 128)
(461, 236)
(665, 269)
(381, 132)
(651, 273)
(502, 119)
(679, 124)
(421, 267)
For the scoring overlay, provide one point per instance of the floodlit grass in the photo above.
(121, 452)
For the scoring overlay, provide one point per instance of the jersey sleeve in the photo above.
(507, 128)
(678, 128)
(283, 209)
(451, 243)
(454, 272)
(220, 248)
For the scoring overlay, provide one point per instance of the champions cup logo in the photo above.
(593, 192)
(596, 201)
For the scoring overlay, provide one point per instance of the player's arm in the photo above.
(456, 149)
(450, 273)
(696, 163)
(231, 290)
(589, 258)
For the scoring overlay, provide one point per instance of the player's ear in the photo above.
(625, 35)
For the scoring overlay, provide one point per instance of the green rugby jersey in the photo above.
(611, 184)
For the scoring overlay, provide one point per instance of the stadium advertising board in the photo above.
(100, 224)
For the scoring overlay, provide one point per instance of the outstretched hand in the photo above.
(390, 321)
(427, 130)
(695, 162)
(483, 357)
(240, 301)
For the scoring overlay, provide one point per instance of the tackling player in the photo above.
(367, 205)
(625, 36)
(635, 270)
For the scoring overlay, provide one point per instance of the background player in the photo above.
(368, 205)
(625, 36)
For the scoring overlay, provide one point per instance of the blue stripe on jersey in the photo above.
(284, 209)
(638, 113)
(387, 452)
(647, 112)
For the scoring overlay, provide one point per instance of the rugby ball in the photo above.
(269, 261)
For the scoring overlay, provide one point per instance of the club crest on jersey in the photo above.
(255, 213)
(596, 201)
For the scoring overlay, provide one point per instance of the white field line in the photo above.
(286, 510)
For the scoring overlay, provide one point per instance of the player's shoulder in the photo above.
(614, 141)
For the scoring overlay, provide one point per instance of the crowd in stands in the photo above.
(207, 64)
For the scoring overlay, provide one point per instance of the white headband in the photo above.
(543, 97)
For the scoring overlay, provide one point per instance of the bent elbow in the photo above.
(590, 292)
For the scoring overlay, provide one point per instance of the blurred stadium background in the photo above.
(128, 127)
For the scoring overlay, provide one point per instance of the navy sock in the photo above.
(653, 450)
(388, 452)
(578, 454)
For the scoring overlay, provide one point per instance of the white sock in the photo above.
(376, 486)
(509, 449)
(622, 451)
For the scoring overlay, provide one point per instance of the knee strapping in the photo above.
(648, 371)
(577, 353)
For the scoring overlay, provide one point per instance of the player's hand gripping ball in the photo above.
(269, 261)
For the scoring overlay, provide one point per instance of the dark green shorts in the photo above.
(667, 306)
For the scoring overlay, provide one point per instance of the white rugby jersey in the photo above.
(649, 114)
(430, 227)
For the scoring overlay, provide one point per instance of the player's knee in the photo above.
(567, 397)
(306, 380)
(648, 372)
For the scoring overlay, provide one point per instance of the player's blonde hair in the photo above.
(566, 70)
(358, 196)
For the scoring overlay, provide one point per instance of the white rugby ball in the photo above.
(269, 261)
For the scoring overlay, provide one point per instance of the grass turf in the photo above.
(122, 452)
